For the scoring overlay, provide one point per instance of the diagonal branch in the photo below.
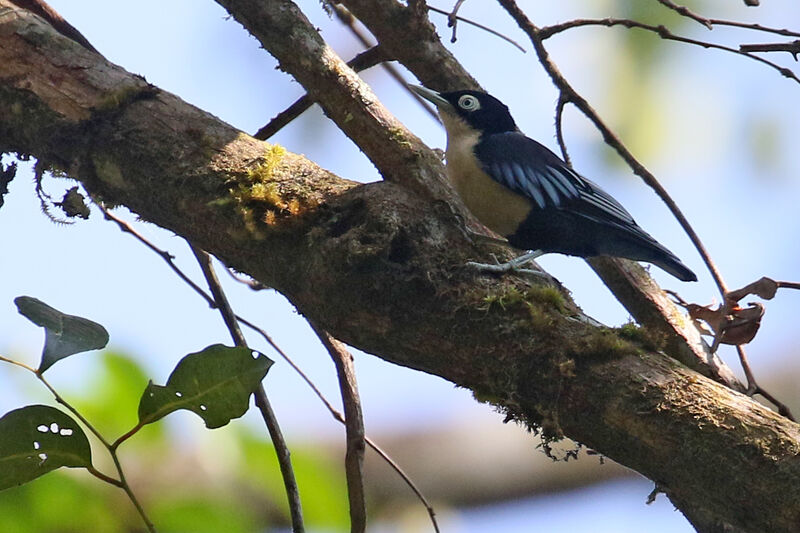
(366, 59)
(793, 47)
(686, 12)
(354, 427)
(286, 33)
(262, 401)
(395, 26)
(349, 20)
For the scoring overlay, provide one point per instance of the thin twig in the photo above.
(339, 417)
(482, 27)
(754, 388)
(452, 19)
(262, 402)
(166, 256)
(284, 458)
(748, 372)
(782, 408)
(220, 299)
(103, 477)
(559, 128)
(548, 31)
(711, 22)
(386, 457)
(252, 284)
(754, 27)
(354, 427)
(122, 482)
(686, 12)
(366, 59)
(792, 47)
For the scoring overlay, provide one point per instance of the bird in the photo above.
(524, 192)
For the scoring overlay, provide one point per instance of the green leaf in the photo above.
(215, 383)
(65, 335)
(37, 439)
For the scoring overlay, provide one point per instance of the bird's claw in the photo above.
(515, 265)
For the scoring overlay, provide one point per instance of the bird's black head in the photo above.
(481, 111)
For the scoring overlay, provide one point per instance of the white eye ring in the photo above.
(469, 103)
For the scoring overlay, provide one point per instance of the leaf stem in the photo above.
(112, 448)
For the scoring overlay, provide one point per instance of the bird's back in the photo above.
(567, 213)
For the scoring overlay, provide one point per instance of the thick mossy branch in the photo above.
(383, 268)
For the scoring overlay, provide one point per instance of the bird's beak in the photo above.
(431, 96)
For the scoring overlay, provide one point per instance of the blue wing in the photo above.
(529, 168)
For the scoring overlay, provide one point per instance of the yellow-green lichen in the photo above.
(401, 137)
(259, 188)
(258, 196)
(270, 159)
(264, 192)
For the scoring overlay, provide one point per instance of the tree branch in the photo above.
(395, 26)
(261, 399)
(354, 427)
(366, 59)
(286, 33)
(663, 33)
(382, 269)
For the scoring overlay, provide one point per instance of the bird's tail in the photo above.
(673, 265)
(640, 246)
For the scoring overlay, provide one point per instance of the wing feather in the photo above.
(530, 169)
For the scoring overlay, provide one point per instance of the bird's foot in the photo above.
(515, 265)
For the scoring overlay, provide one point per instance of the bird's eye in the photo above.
(469, 103)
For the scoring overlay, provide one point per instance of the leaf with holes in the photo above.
(65, 334)
(215, 383)
(37, 439)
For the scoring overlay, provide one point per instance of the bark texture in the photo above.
(382, 267)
